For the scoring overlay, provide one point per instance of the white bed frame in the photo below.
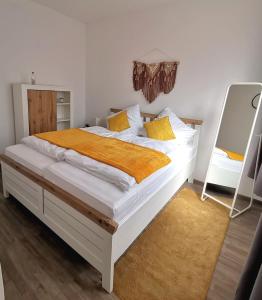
(101, 246)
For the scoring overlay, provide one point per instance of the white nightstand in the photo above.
(2, 295)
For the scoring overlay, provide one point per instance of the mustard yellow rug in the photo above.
(175, 257)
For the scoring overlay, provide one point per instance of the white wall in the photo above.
(217, 43)
(35, 38)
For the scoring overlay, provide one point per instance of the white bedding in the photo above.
(29, 158)
(103, 171)
(96, 192)
(44, 147)
(100, 170)
(56, 152)
(105, 196)
(111, 174)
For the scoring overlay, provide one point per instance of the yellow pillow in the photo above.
(160, 129)
(118, 122)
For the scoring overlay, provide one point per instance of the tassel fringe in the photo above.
(154, 78)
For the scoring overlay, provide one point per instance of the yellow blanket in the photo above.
(233, 155)
(137, 161)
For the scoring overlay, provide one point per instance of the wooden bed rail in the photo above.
(150, 116)
(86, 210)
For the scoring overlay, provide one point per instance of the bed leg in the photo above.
(108, 278)
(108, 270)
(5, 192)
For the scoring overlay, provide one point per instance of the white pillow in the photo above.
(134, 118)
(184, 133)
(175, 122)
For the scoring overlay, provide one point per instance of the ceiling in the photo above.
(92, 10)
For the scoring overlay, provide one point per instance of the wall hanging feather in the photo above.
(154, 78)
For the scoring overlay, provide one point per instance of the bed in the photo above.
(224, 171)
(95, 218)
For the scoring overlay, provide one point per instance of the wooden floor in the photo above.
(234, 253)
(36, 264)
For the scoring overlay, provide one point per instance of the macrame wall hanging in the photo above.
(154, 78)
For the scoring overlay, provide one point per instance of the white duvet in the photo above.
(98, 169)
(44, 147)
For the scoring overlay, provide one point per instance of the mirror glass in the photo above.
(227, 158)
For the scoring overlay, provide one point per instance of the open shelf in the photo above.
(62, 103)
(62, 120)
(63, 110)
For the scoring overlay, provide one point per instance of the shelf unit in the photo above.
(63, 110)
(40, 108)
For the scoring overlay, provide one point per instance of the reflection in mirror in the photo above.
(227, 159)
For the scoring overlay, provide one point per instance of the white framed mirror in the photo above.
(240, 124)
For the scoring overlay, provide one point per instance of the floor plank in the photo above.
(234, 254)
(37, 264)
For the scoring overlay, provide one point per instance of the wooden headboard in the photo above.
(149, 116)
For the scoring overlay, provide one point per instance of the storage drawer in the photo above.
(79, 232)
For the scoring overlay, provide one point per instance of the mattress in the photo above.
(29, 158)
(106, 197)
(226, 163)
